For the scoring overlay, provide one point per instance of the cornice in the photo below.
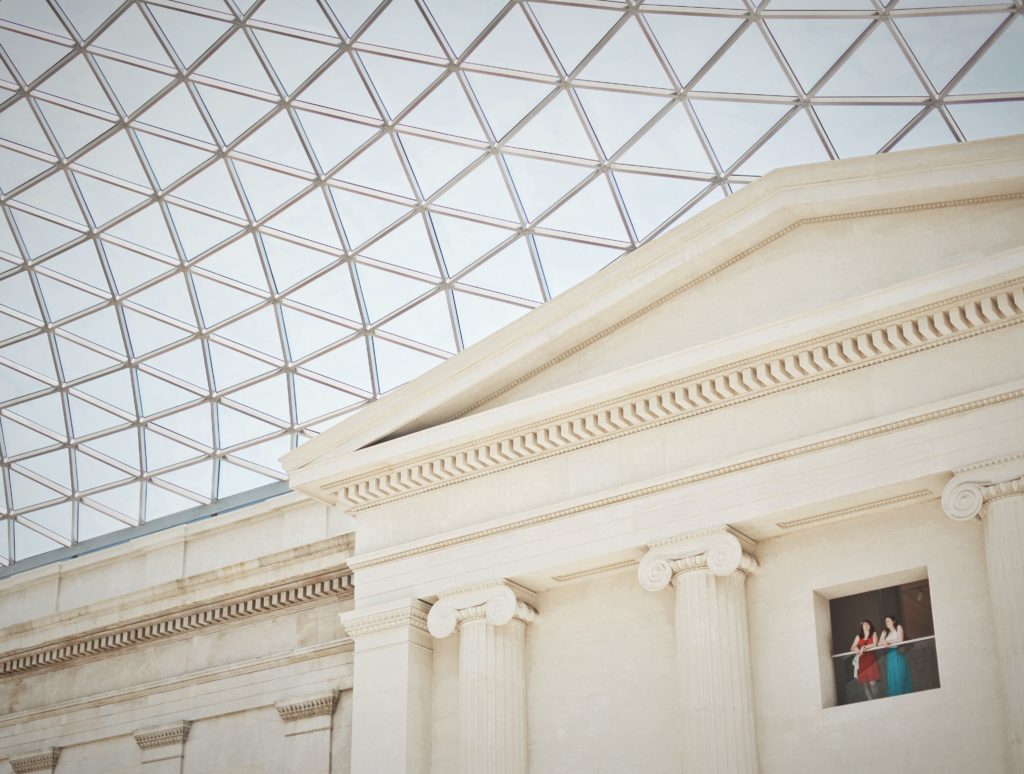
(308, 708)
(544, 517)
(921, 329)
(109, 640)
(163, 737)
(358, 623)
(45, 761)
(571, 576)
(854, 510)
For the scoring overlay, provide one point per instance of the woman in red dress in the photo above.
(866, 662)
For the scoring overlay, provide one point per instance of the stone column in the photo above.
(995, 494)
(709, 572)
(491, 621)
(307, 732)
(163, 748)
(391, 688)
(36, 763)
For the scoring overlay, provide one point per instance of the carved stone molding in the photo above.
(855, 510)
(498, 602)
(163, 737)
(968, 492)
(358, 622)
(113, 639)
(721, 553)
(918, 330)
(44, 761)
(308, 708)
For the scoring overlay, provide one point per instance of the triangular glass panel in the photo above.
(266, 189)
(428, 322)
(747, 67)
(333, 139)
(231, 367)
(505, 101)
(15, 385)
(513, 45)
(77, 361)
(627, 58)
(122, 446)
(401, 26)
(331, 292)
(72, 129)
(364, 216)
(308, 218)
(347, 363)
(291, 263)
(159, 395)
(162, 452)
(46, 411)
(397, 365)
(979, 121)
(617, 116)
(267, 453)
(540, 183)
(235, 479)
(116, 156)
(314, 400)
(590, 211)
(408, 246)
(29, 543)
(74, 81)
(169, 160)
(19, 439)
(341, 88)
(32, 353)
(130, 269)
(573, 31)
(53, 194)
(234, 61)
(307, 334)
(176, 112)
(87, 15)
(194, 423)
(464, 241)
(169, 297)
(732, 127)
(929, 131)
(148, 334)
(240, 261)
(93, 524)
(269, 396)
(293, 59)
(197, 478)
(377, 167)
(87, 419)
(812, 46)
(185, 362)
(877, 68)
(92, 473)
(17, 168)
(56, 519)
(9, 250)
(212, 188)
(54, 466)
(16, 293)
(482, 191)
(146, 228)
(651, 199)
(384, 292)
(162, 502)
(106, 201)
(133, 86)
(28, 13)
(41, 236)
(860, 130)
(218, 302)
(479, 317)
(131, 34)
(943, 44)
(555, 129)
(81, 263)
(435, 163)
(18, 124)
(114, 389)
(999, 68)
(257, 331)
(446, 109)
(398, 82)
(237, 427)
(101, 328)
(510, 271)
(567, 263)
(198, 232)
(689, 41)
(189, 34)
(31, 56)
(672, 143)
(297, 14)
(11, 327)
(462, 22)
(796, 142)
(233, 113)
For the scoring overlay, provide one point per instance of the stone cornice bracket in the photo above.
(498, 602)
(164, 736)
(411, 615)
(967, 493)
(302, 709)
(720, 552)
(44, 761)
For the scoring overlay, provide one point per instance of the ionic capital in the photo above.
(499, 602)
(720, 552)
(970, 490)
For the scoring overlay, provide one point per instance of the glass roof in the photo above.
(227, 223)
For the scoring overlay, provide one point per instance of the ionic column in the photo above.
(712, 647)
(163, 748)
(36, 763)
(491, 621)
(307, 732)
(996, 495)
(391, 690)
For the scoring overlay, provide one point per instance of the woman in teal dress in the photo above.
(897, 672)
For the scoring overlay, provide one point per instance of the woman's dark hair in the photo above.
(871, 628)
(894, 619)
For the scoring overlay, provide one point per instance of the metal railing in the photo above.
(883, 671)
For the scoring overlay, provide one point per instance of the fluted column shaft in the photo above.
(717, 729)
(491, 622)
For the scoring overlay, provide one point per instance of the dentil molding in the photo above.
(499, 602)
(409, 615)
(720, 552)
(969, 491)
(943, 322)
(166, 736)
(44, 761)
(304, 709)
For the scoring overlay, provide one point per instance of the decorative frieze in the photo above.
(37, 762)
(114, 639)
(163, 737)
(358, 623)
(308, 708)
(895, 336)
